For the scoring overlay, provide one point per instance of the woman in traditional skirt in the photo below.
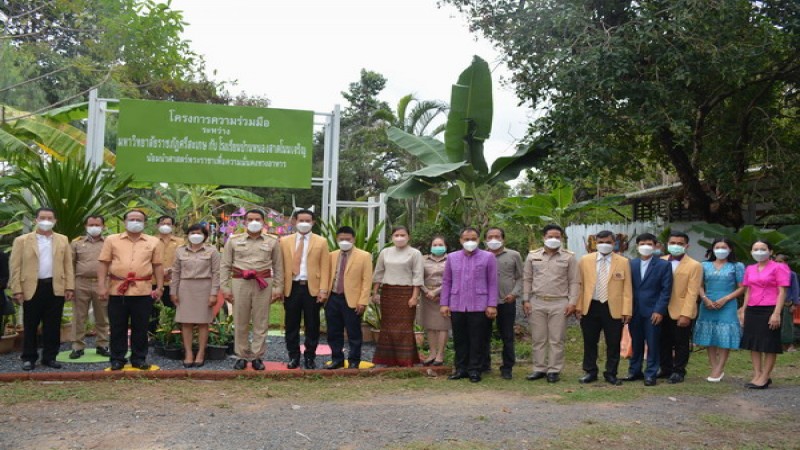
(431, 319)
(195, 282)
(765, 291)
(398, 276)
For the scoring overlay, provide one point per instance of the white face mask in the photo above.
(494, 244)
(345, 245)
(196, 238)
(400, 241)
(303, 227)
(760, 255)
(552, 243)
(722, 253)
(254, 226)
(605, 249)
(646, 250)
(45, 225)
(134, 227)
(470, 246)
(165, 229)
(94, 231)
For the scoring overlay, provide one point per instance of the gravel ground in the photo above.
(276, 351)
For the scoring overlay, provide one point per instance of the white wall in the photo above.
(578, 235)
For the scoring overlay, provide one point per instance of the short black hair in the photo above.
(439, 236)
(647, 237)
(197, 227)
(713, 257)
(346, 230)
(44, 209)
(763, 241)
(397, 228)
(679, 234)
(502, 232)
(95, 216)
(468, 229)
(125, 216)
(255, 211)
(552, 226)
(304, 211)
(160, 218)
(604, 234)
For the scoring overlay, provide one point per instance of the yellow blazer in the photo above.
(24, 265)
(317, 261)
(686, 282)
(357, 276)
(620, 289)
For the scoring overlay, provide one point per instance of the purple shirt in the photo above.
(469, 283)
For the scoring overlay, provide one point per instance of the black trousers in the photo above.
(300, 305)
(675, 339)
(165, 301)
(599, 319)
(469, 340)
(125, 310)
(506, 316)
(45, 308)
(342, 317)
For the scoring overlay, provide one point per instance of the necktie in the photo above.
(340, 275)
(298, 255)
(601, 289)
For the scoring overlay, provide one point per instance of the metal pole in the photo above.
(326, 177)
(91, 134)
(371, 203)
(382, 214)
(334, 173)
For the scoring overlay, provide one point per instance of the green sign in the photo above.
(212, 144)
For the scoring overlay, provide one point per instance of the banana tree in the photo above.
(784, 240)
(457, 167)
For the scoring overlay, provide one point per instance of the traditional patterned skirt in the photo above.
(396, 343)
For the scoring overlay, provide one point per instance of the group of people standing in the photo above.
(666, 301)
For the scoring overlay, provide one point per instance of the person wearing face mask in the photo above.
(399, 273)
(169, 245)
(717, 326)
(306, 269)
(41, 278)
(431, 319)
(351, 280)
(85, 251)
(605, 304)
(195, 284)
(128, 261)
(676, 330)
(765, 283)
(469, 299)
(789, 305)
(551, 284)
(652, 287)
(251, 277)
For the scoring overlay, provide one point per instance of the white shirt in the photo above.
(602, 259)
(645, 264)
(675, 263)
(303, 275)
(45, 255)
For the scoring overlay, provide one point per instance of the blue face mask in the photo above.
(657, 252)
(438, 250)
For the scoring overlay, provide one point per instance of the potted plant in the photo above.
(168, 333)
(66, 326)
(8, 332)
(372, 321)
(220, 337)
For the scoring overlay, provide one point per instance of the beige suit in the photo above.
(620, 290)
(357, 276)
(24, 266)
(686, 281)
(317, 263)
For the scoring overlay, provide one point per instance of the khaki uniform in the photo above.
(195, 279)
(127, 256)
(169, 249)
(251, 303)
(550, 283)
(85, 251)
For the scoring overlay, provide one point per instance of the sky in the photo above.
(302, 55)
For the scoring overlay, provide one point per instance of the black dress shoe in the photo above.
(28, 365)
(438, 363)
(188, 365)
(102, 351)
(257, 364)
(428, 362)
(756, 386)
(75, 354)
(310, 364)
(240, 364)
(633, 377)
(649, 381)
(335, 365)
(675, 378)
(200, 364)
(506, 375)
(293, 364)
(53, 364)
(475, 377)
(588, 378)
(353, 364)
(536, 376)
(553, 377)
(458, 376)
(612, 380)
(664, 375)
(141, 366)
(117, 365)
